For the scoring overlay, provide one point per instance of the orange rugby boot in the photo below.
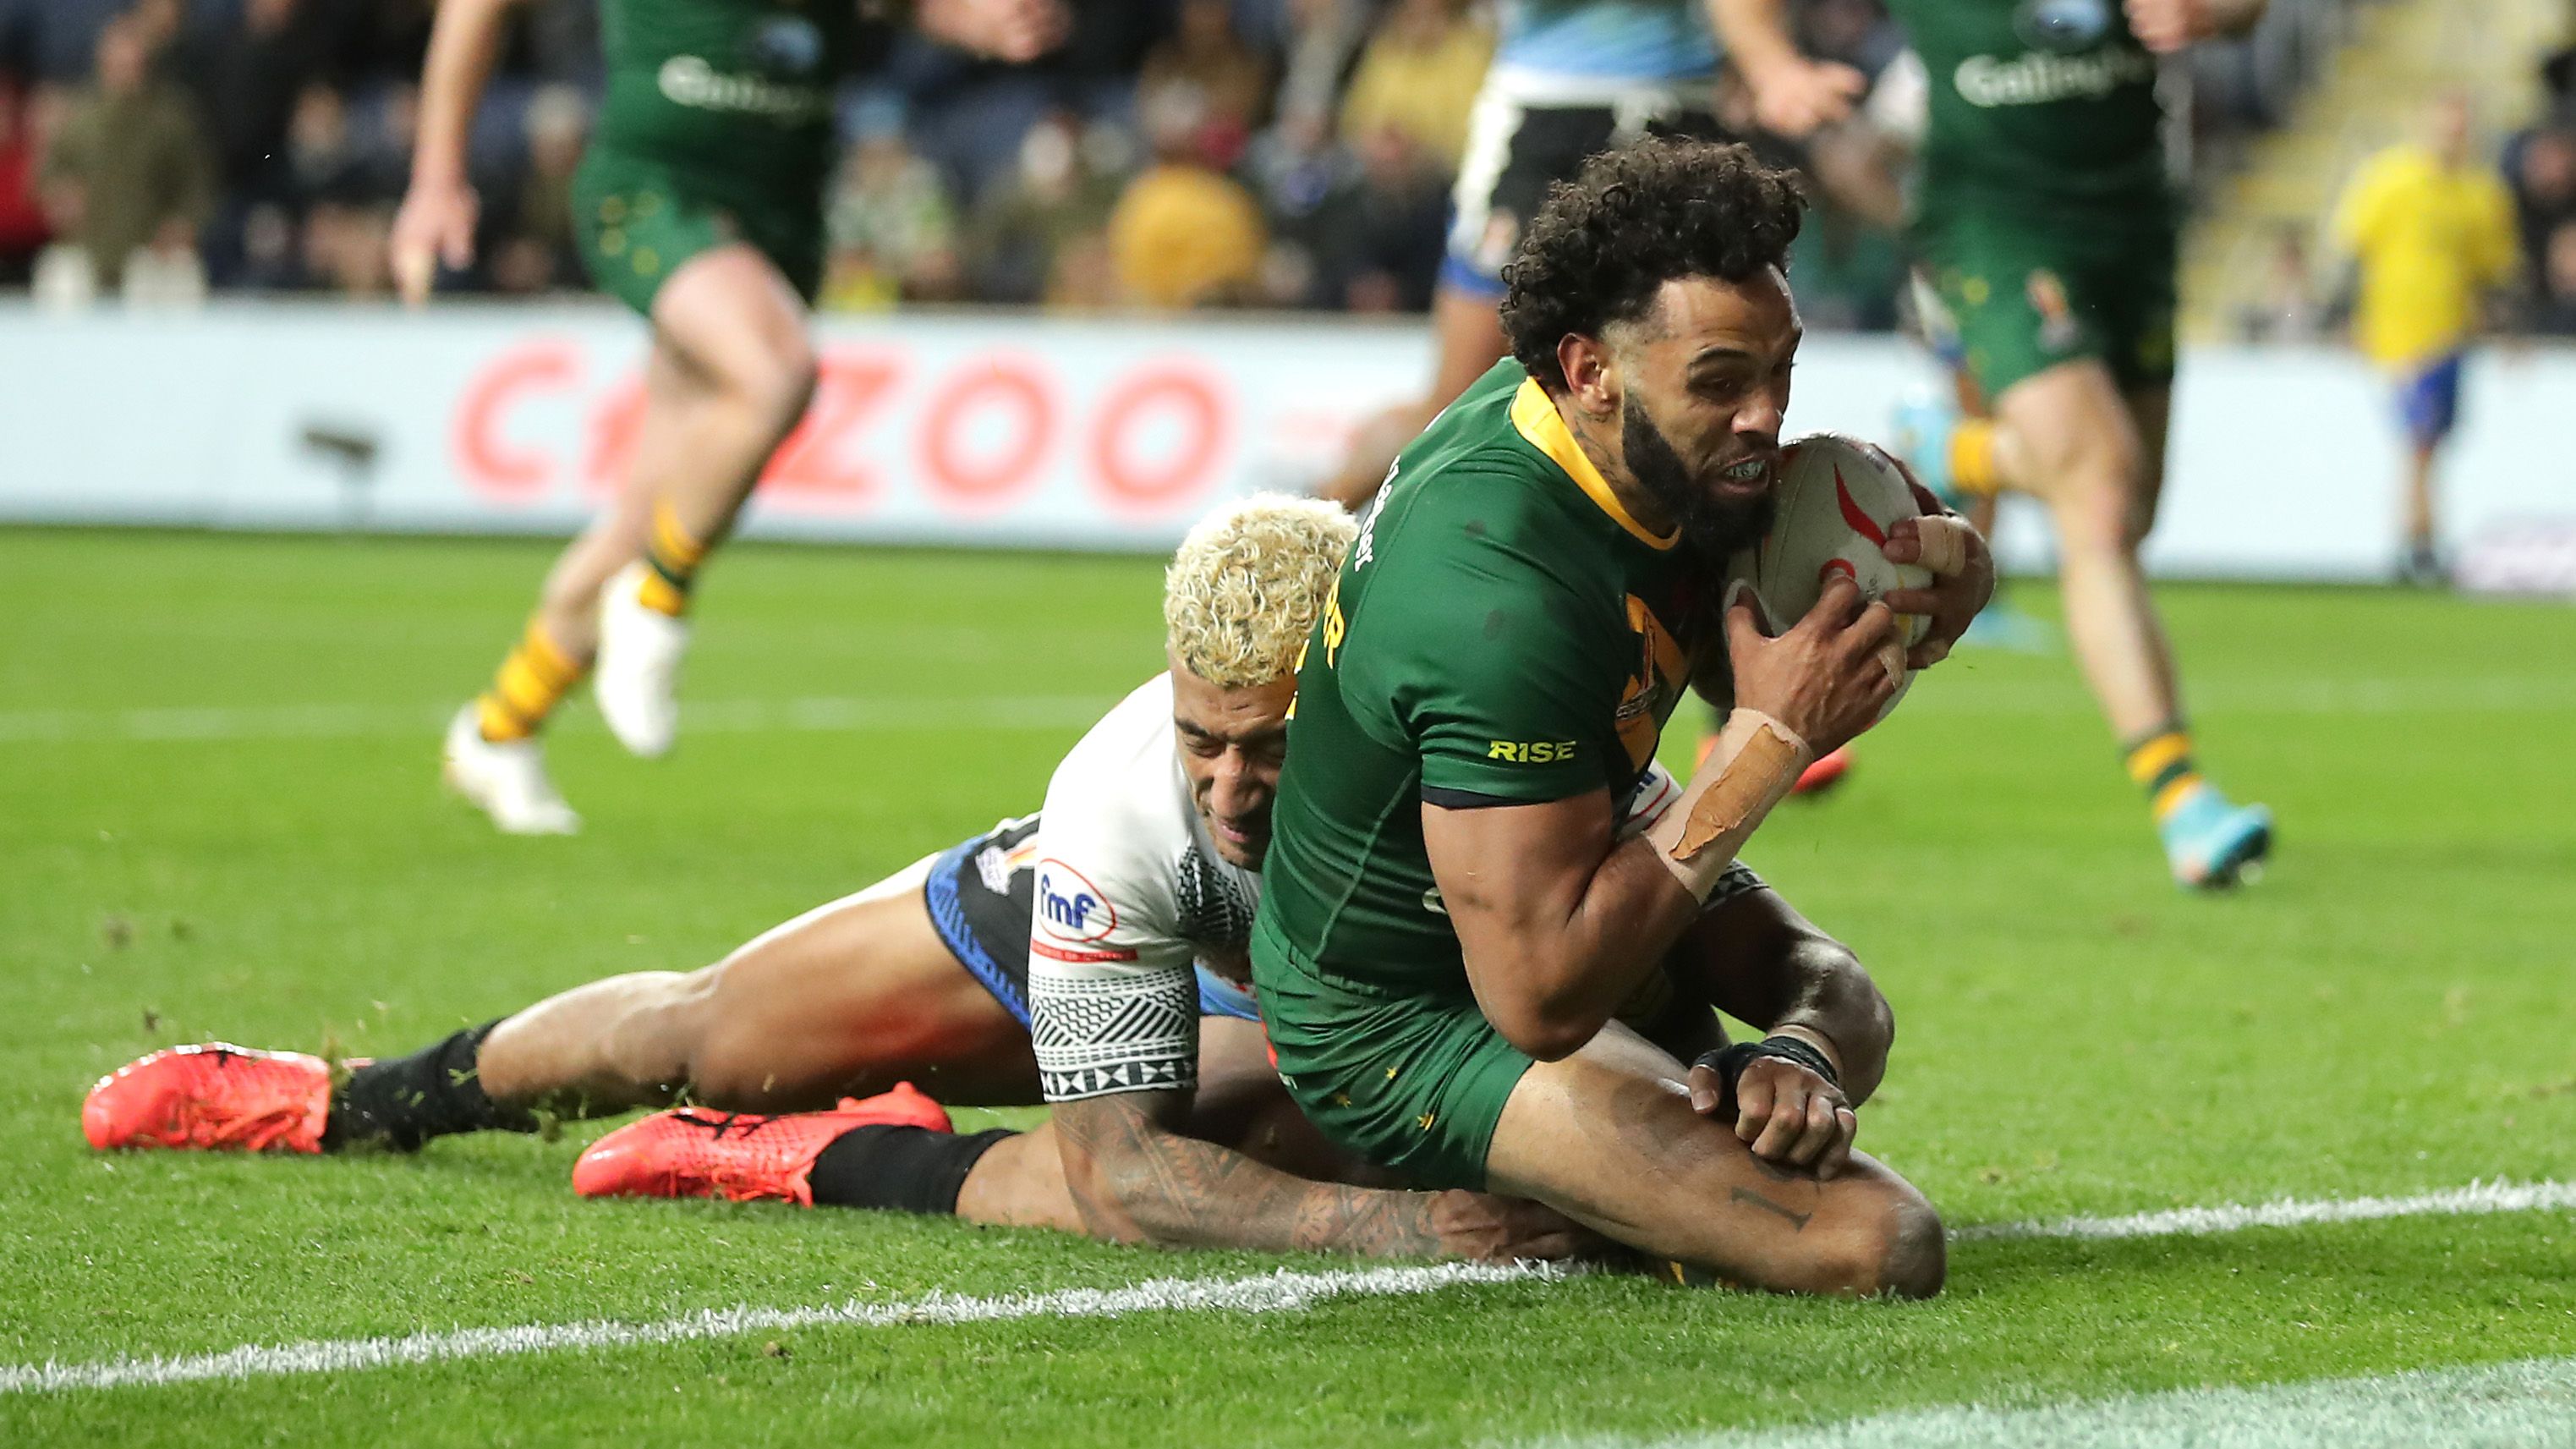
(211, 1096)
(1825, 773)
(737, 1156)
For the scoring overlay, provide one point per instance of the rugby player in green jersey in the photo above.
(700, 205)
(2050, 228)
(1468, 973)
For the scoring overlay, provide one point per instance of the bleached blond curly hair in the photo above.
(1244, 590)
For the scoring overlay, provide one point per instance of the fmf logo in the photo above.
(1071, 908)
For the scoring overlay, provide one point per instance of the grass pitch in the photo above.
(219, 817)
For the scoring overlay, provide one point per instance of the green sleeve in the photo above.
(1488, 665)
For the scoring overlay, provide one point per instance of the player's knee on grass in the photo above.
(1889, 1244)
(1868, 1233)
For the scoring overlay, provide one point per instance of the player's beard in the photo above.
(1716, 528)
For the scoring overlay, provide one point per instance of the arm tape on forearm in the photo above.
(1750, 768)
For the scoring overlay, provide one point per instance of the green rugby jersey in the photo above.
(1502, 631)
(741, 89)
(2036, 101)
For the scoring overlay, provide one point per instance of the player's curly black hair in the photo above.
(1631, 220)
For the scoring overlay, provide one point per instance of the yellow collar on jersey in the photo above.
(1534, 413)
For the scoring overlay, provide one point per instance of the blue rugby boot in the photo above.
(2210, 843)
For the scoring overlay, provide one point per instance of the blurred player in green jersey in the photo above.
(700, 205)
(2050, 228)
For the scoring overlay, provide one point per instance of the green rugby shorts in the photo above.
(640, 220)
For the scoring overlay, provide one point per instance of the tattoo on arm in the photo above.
(1149, 1181)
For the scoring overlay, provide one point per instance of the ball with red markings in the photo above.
(1835, 501)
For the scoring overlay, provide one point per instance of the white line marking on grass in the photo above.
(2487, 693)
(721, 716)
(2503, 694)
(1268, 1293)
(2522, 1404)
(2477, 1197)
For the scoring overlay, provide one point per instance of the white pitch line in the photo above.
(2476, 1198)
(1265, 1293)
(2503, 694)
(722, 716)
(2526, 1404)
(1269, 1293)
(2491, 694)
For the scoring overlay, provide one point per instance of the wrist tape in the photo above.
(1730, 1061)
(1750, 768)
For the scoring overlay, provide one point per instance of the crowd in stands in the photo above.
(2540, 168)
(2305, 298)
(1176, 153)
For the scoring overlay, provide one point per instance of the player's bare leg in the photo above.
(1020, 1182)
(728, 376)
(1467, 330)
(845, 1000)
(568, 602)
(2421, 564)
(2095, 458)
(887, 1153)
(1608, 1137)
(2067, 437)
(739, 369)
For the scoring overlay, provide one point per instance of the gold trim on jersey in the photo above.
(1534, 413)
(1662, 670)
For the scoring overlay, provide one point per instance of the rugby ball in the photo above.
(1835, 500)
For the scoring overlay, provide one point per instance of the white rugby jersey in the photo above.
(1131, 892)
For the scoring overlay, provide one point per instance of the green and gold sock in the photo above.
(2161, 764)
(671, 562)
(531, 682)
(1973, 469)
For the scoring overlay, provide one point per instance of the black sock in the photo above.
(909, 1169)
(404, 1102)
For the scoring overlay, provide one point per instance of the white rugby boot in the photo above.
(505, 779)
(637, 677)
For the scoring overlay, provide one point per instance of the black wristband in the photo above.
(1730, 1061)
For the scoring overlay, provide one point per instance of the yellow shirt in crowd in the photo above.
(1183, 236)
(2432, 241)
(1424, 92)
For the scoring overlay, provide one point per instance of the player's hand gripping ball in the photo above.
(1836, 499)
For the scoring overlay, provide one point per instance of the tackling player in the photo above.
(1452, 925)
(1146, 854)
(699, 205)
(2052, 234)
